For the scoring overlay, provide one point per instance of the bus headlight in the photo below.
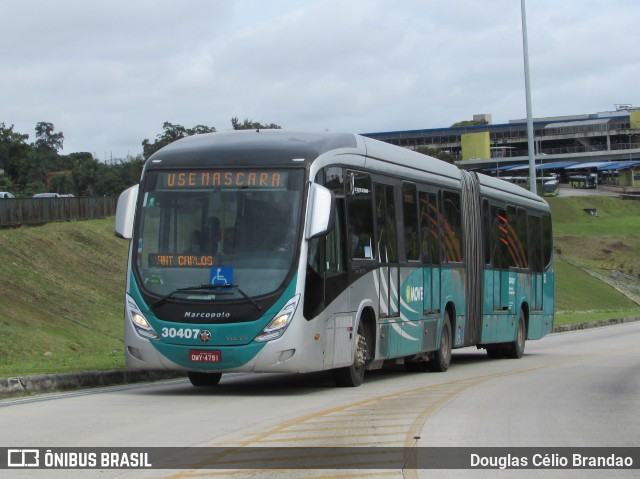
(280, 321)
(140, 323)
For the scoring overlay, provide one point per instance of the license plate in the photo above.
(205, 356)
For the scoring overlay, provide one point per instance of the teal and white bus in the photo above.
(273, 251)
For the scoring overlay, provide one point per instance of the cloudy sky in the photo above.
(108, 74)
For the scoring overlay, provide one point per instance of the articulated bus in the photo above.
(269, 251)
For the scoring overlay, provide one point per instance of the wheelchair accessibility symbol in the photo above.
(221, 276)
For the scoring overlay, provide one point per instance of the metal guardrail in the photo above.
(37, 211)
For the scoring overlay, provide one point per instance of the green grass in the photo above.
(581, 298)
(579, 291)
(603, 243)
(615, 216)
(62, 284)
(609, 241)
(61, 296)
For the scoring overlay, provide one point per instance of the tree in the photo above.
(32, 188)
(85, 175)
(46, 138)
(33, 168)
(6, 184)
(30, 167)
(13, 150)
(470, 123)
(252, 125)
(117, 177)
(170, 134)
(62, 183)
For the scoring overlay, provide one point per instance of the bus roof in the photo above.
(275, 147)
(403, 157)
(501, 189)
(281, 147)
(284, 148)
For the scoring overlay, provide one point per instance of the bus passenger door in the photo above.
(536, 263)
(504, 260)
(430, 251)
(387, 256)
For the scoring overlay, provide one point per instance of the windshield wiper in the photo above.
(204, 289)
(246, 296)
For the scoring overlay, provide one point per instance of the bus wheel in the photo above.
(352, 376)
(204, 379)
(515, 349)
(439, 360)
(416, 366)
(495, 352)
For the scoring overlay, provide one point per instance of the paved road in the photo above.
(570, 389)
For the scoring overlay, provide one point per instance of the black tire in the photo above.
(515, 349)
(204, 379)
(439, 360)
(352, 376)
(415, 366)
(495, 352)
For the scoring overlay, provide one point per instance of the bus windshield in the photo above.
(237, 229)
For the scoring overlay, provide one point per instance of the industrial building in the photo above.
(606, 144)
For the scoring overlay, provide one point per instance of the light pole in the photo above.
(527, 87)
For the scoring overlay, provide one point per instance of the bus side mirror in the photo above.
(320, 214)
(125, 212)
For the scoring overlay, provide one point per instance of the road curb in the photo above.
(69, 381)
(594, 324)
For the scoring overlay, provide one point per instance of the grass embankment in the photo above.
(61, 298)
(62, 284)
(601, 244)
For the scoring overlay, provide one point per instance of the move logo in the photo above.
(414, 293)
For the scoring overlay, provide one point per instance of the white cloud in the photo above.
(109, 74)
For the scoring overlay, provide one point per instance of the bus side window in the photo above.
(360, 215)
(334, 180)
(547, 240)
(523, 243)
(510, 237)
(434, 219)
(487, 232)
(430, 231)
(452, 226)
(502, 258)
(326, 260)
(387, 237)
(335, 258)
(410, 222)
(535, 244)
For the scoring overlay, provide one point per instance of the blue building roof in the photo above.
(618, 165)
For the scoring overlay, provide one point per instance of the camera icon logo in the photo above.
(23, 458)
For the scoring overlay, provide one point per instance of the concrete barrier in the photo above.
(81, 380)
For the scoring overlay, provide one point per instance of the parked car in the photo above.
(5, 195)
(46, 195)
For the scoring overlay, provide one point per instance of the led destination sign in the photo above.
(186, 179)
(181, 260)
